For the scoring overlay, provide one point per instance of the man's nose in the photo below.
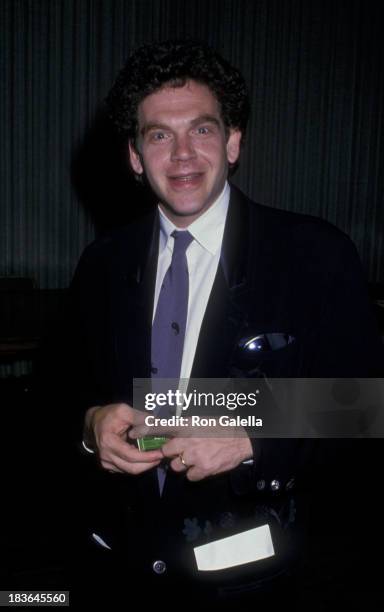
(183, 148)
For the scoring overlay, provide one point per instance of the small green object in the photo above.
(150, 443)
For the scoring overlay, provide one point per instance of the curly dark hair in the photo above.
(174, 62)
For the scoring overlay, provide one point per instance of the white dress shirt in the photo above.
(203, 255)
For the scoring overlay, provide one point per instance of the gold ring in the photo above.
(182, 460)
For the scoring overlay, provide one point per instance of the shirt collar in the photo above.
(207, 230)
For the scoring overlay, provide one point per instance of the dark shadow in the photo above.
(376, 293)
(44, 534)
(102, 179)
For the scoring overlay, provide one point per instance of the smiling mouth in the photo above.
(186, 181)
(185, 178)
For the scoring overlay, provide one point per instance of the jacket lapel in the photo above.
(132, 293)
(226, 312)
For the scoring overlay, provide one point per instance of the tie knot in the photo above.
(182, 241)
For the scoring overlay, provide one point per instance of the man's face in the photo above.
(183, 149)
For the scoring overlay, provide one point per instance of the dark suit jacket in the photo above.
(279, 272)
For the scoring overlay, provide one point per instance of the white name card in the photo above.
(252, 545)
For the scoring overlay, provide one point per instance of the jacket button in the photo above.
(275, 485)
(260, 485)
(159, 567)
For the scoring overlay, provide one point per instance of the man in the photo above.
(252, 272)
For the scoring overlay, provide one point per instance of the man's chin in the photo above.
(183, 212)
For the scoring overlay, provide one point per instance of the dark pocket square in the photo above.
(262, 343)
(254, 350)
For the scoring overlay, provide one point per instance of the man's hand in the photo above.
(106, 428)
(201, 457)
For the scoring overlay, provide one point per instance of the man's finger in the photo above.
(110, 467)
(194, 474)
(139, 431)
(129, 452)
(173, 447)
(177, 465)
(131, 467)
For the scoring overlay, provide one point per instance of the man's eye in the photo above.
(202, 130)
(158, 136)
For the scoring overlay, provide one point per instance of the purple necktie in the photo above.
(168, 328)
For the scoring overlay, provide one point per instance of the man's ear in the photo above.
(135, 158)
(233, 145)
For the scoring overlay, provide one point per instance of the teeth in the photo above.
(185, 178)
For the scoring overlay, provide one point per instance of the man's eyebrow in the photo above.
(162, 126)
(205, 119)
(153, 126)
